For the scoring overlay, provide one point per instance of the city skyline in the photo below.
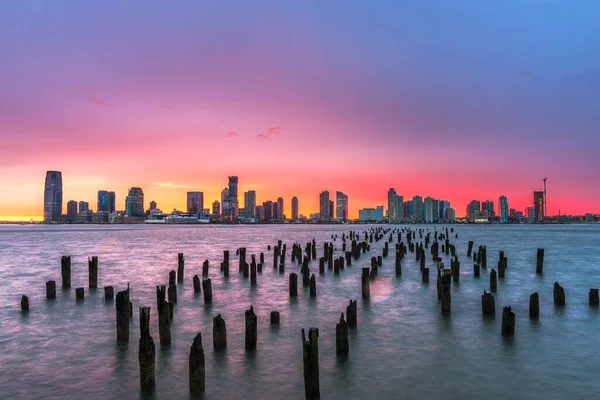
(352, 108)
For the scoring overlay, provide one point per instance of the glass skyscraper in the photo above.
(53, 196)
(503, 208)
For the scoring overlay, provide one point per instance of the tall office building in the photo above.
(503, 209)
(428, 209)
(71, 210)
(472, 208)
(341, 207)
(538, 205)
(275, 210)
(102, 205)
(250, 203)
(324, 214)
(331, 209)
(392, 212)
(216, 207)
(134, 203)
(225, 204)
(84, 206)
(268, 210)
(489, 207)
(443, 205)
(195, 202)
(53, 196)
(294, 208)
(234, 204)
(418, 211)
(280, 212)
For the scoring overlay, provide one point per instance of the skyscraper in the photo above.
(331, 209)
(53, 196)
(443, 205)
(71, 210)
(275, 210)
(418, 212)
(84, 206)
(503, 209)
(102, 205)
(472, 207)
(341, 208)
(195, 202)
(250, 203)
(391, 213)
(216, 207)
(280, 208)
(134, 203)
(538, 205)
(429, 206)
(294, 208)
(225, 204)
(489, 207)
(233, 197)
(324, 206)
(268, 210)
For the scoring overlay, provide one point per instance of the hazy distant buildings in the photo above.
(275, 210)
(418, 212)
(341, 208)
(268, 210)
(488, 206)
(472, 207)
(134, 203)
(395, 211)
(294, 208)
(429, 206)
(106, 202)
(71, 211)
(371, 214)
(84, 206)
(216, 207)
(195, 202)
(450, 215)
(503, 209)
(280, 213)
(53, 196)
(538, 204)
(225, 204)
(250, 203)
(331, 209)
(324, 214)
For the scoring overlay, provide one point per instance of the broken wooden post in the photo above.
(593, 298)
(351, 314)
(164, 317)
(534, 306)
(446, 297)
(251, 329)
(219, 333)
(172, 277)
(313, 286)
(252, 273)
(79, 293)
(493, 281)
(470, 248)
(476, 270)
(488, 304)
(398, 264)
(508, 322)
(274, 317)
(342, 346)
(293, 285)
(123, 312)
(172, 294)
(261, 258)
(425, 275)
(242, 263)
(205, 268)
(146, 355)
(539, 265)
(559, 295)
(310, 350)
(65, 270)
(24, 303)
(365, 283)
(93, 272)
(197, 369)
(51, 290)
(197, 287)
(180, 265)
(225, 262)
(207, 288)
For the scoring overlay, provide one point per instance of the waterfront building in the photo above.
(153, 205)
(341, 208)
(280, 214)
(275, 210)
(324, 206)
(531, 217)
(233, 197)
(250, 203)
(503, 209)
(84, 206)
(418, 211)
(53, 196)
(472, 207)
(512, 213)
(371, 214)
(488, 206)
(294, 208)
(71, 211)
(429, 206)
(450, 215)
(443, 205)
(538, 204)
(134, 202)
(260, 213)
(216, 207)
(106, 202)
(268, 210)
(395, 212)
(195, 202)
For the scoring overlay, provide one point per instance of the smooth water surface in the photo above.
(402, 348)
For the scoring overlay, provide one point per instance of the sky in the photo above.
(458, 100)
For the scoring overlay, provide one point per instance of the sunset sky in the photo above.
(457, 100)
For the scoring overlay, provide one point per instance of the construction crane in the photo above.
(545, 179)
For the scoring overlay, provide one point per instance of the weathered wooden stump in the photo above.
(476, 270)
(398, 265)
(559, 295)
(207, 287)
(351, 314)
(205, 268)
(425, 275)
(93, 272)
(593, 298)
(488, 304)
(252, 274)
(366, 283)
(310, 350)
(539, 266)
(534, 306)
(172, 294)
(172, 277)
(242, 260)
(51, 290)
(313, 286)
(109, 293)
(197, 287)
(197, 368)
(79, 293)
(123, 313)
(180, 267)
(293, 284)
(261, 258)
(446, 296)
(493, 281)
(470, 248)
(342, 347)
(274, 317)
(508, 322)
(219, 333)
(24, 303)
(164, 321)
(65, 270)
(225, 262)
(147, 352)
(251, 329)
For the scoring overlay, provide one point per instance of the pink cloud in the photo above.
(262, 136)
(233, 134)
(167, 107)
(274, 130)
(99, 102)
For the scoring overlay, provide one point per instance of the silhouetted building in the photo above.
(280, 213)
(134, 203)
(341, 208)
(324, 213)
(195, 202)
(268, 210)
(294, 208)
(538, 205)
(489, 207)
(53, 196)
(250, 203)
(331, 209)
(275, 210)
(71, 211)
(153, 205)
(503, 209)
(106, 201)
(531, 217)
(450, 215)
(260, 213)
(443, 205)
(216, 207)
(84, 206)
(395, 211)
(429, 207)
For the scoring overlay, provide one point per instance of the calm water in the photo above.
(402, 347)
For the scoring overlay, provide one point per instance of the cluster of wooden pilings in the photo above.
(354, 246)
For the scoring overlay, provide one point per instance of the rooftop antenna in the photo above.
(545, 179)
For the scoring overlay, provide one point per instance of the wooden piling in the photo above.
(207, 288)
(172, 277)
(242, 263)
(508, 322)
(252, 274)
(123, 313)
(197, 287)
(366, 283)
(205, 268)
(488, 304)
(251, 329)
(225, 263)
(197, 370)
(534, 306)
(476, 270)
(593, 298)
(65, 269)
(425, 275)
(539, 265)
(470, 248)
(351, 314)
(219, 333)
(79, 293)
(172, 294)
(93, 272)
(51, 290)
(559, 295)
(147, 352)
(310, 350)
(342, 347)
(446, 296)
(313, 286)
(274, 317)
(180, 267)
(493, 281)
(24, 303)
(293, 284)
